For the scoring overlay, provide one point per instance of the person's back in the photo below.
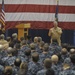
(67, 72)
(45, 54)
(73, 61)
(34, 66)
(23, 69)
(9, 60)
(47, 66)
(67, 68)
(8, 70)
(55, 65)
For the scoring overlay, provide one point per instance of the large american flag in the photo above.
(39, 13)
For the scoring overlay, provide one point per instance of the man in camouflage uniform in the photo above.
(47, 65)
(9, 60)
(34, 65)
(67, 70)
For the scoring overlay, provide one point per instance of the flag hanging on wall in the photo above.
(39, 13)
(2, 16)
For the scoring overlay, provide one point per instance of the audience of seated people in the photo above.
(27, 57)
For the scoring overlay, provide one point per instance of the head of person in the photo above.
(14, 52)
(8, 70)
(41, 45)
(2, 36)
(35, 57)
(8, 39)
(72, 51)
(47, 63)
(32, 46)
(23, 68)
(9, 51)
(67, 63)
(23, 42)
(28, 52)
(11, 44)
(23, 65)
(35, 39)
(14, 35)
(55, 24)
(29, 37)
(17, 62)
(22, 38)
(64, 51)
(46, 47)
(39, 39)
(54, 59)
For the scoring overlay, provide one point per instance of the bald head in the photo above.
(72, 51)
(54, 58)
(9, 50)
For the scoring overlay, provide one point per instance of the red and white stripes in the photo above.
(40, 13)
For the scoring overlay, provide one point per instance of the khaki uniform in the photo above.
(55, 34)
(4, 43)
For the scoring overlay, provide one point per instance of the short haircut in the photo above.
(14, 52)
(46, 47)
(39, 39)
(14, 35)
(23, 42)
(42, 43)
(9, 50)
(35, 39)
(47, 63)
(32, 46)
(8, 70)
(35, 57)
(28, 52)
(54, 58)
(24, 65)
(64, 51)
(8, 39)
